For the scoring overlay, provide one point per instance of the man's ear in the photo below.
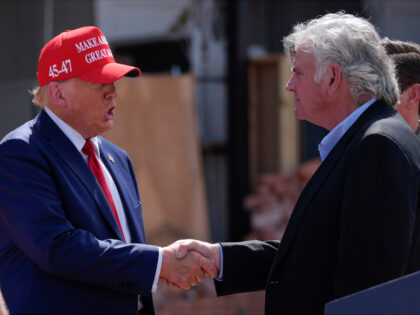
(56, 94)
(334, 78)
(413, 96)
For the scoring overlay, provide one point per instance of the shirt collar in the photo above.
(75, 137)
(331, 139)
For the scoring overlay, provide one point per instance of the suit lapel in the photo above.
(323, 172)
(73, 159)
(112, 163)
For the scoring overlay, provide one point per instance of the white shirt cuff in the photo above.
(157, 274)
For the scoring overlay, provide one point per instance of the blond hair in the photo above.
(40, 95)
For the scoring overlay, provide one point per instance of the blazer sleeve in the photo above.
(33, 218)
(246, 266)
(377, 216)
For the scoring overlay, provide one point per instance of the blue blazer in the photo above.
(61, 250)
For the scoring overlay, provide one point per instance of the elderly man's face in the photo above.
(90, 106)
(309, 100)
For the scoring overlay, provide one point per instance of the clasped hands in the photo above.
(187, 262)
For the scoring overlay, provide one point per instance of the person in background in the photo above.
(406, 56)
(356, 223)
(72, 239)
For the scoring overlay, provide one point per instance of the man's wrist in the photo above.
(158, 270)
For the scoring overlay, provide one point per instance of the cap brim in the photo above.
(109, 72)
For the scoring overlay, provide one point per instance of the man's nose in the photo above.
(112, 90)
(290, 86)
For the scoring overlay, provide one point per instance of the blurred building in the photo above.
(216, 41)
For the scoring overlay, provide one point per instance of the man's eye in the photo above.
(95, 86)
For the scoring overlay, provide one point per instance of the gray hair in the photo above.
(354, 44)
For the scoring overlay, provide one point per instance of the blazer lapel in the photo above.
(114, 168)
(320, 176)
(69, 154)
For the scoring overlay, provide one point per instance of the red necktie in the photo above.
(89, 150)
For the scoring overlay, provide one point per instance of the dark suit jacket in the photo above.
(61, 251)
(355, 225)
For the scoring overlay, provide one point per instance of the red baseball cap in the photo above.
(82, 53)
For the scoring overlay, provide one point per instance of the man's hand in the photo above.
(210, 251)
(185, 272)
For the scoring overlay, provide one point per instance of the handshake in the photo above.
(187, 262)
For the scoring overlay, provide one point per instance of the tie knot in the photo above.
(89, 148)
